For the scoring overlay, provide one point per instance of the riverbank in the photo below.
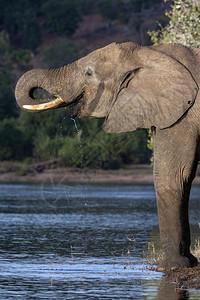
(47, 173)
(40, 173)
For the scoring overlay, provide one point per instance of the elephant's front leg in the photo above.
(174, 170)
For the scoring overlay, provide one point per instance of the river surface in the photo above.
(82, 242)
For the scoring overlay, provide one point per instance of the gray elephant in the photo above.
(136, 87)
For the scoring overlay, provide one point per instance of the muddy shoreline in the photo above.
(86, 176)
(41, 174)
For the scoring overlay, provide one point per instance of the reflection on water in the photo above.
(82, 242)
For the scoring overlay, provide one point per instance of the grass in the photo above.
(153, 257)
(196, 250)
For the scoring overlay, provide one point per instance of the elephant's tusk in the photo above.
(43, 106)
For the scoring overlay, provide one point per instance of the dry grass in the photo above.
(152, 256)
(196, 250)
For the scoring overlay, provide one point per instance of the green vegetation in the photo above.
(10, 60)
(183, 27)
(56, 136)
(61, 17)
(19, 18)
(61, 53)
(111, 9)
(24, 27)
(15, 145)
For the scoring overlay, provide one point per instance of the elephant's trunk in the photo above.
(49, 80)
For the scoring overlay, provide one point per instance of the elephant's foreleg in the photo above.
(174, 169)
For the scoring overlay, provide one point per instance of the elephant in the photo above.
(138, 87)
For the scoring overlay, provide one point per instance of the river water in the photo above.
(82, 242)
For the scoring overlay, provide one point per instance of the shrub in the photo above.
(14, 146)
(61, 17)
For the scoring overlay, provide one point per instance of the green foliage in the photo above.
(8, 106)
(60, 54)
(19, 18)
(135, 21)
(21, 58)
(92, 147)
(10, 60)
(150, 144)
(85, 7)
(7, 101)
(183, 27)
(71, 152)
(53, 134)
(45, 131)
(111, 9)
(61, 17)
(4, 43)
(138, 5)
(46, 147)
(48, 123)
(14, 145)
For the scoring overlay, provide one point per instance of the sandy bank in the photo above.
(137, 174)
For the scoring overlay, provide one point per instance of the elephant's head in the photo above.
(131, 86)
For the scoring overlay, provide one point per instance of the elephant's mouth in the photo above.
(77, 108)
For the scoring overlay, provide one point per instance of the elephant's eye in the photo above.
(88, 72)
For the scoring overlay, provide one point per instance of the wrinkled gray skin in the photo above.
(136, 87)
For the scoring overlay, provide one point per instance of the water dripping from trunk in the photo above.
(81, 145)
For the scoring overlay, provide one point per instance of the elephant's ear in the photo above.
(158, 94)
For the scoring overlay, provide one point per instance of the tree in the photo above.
(85, 7)
(61, 53)
(10, 60)
(111, 9)
(14, 145)
(19, 19)
(92, 147)
(61, 17)
(183, 27)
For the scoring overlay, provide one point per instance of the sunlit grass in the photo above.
(196, 250)
(153, 257)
